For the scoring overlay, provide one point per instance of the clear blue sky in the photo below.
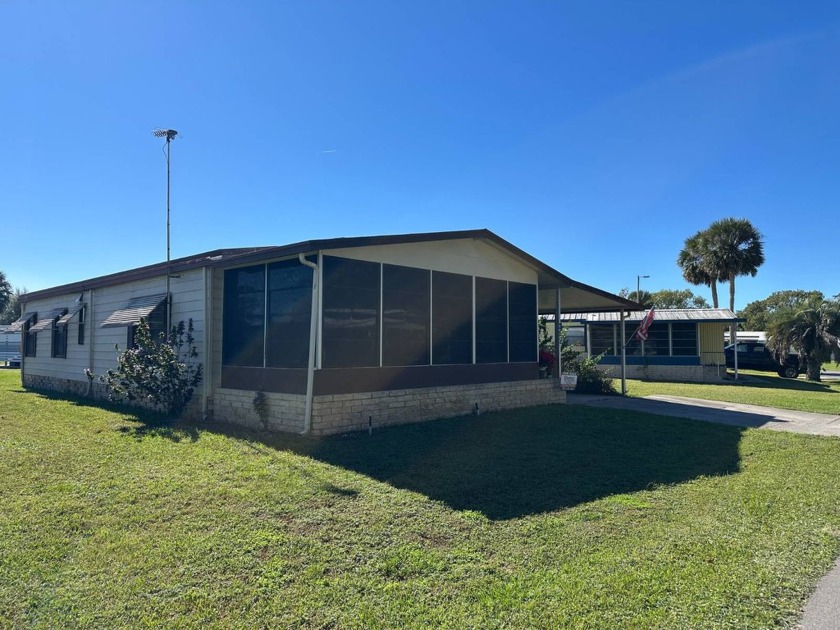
(596, 136)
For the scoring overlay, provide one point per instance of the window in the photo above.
(289, 313)
(30, 339)
(491, 311)
(602, 339)
(452, 318)
(406, 315)
(351, 313)
(59, 342)
(82, 316)
(684, 339)
(48, 324)
(522, 309)
(244, 316)
(657, 341)
(157, 325)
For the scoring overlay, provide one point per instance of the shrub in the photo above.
(162, 372)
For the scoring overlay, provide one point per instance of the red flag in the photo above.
(642, 330)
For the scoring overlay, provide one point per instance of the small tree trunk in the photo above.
(812, 370)
(732, 306)
(713, 286)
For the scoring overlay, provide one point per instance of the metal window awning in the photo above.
(18, 325)
(65, 319)
(47, 320)
(136, 309)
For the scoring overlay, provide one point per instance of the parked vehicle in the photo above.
(14, 361)
(754, 355)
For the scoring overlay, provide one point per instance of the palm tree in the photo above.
(693, 260)
(732, 247)
(811, 328)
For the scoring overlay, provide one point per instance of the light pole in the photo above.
(639, 288)
(169, 134)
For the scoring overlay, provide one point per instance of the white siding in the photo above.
(42, 364)
(466, 256)
(187, 302)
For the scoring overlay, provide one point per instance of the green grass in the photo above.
(551, 517)
(831, 366)
(758, 388)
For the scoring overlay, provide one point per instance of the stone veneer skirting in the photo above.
(346, 412)
(351, 412)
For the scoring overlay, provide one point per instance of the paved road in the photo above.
(822, 611)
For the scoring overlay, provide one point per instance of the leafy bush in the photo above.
(590, 380)
(162, 372)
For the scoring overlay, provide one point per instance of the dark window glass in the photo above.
(405, 315)
(451, 318)
(59, 341)
(30, 340)
(243, 325)
(289, 314)
(657, 341)
(522, 307)
(490, 321)
(684, 339)
(351, 313)
(82, 314)
(157, 326)
(602, 339)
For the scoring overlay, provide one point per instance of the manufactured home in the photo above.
(333, 334)
(681, 345)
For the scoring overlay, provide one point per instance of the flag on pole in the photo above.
(642, 330)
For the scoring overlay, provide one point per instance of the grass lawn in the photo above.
(831, 366)
(759, 388)
(551, 517)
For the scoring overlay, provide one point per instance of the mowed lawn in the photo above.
(756, 388)
(551, 517)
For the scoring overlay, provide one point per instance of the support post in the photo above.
(623, 357)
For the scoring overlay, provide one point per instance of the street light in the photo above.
(169, 134)
(639, 288)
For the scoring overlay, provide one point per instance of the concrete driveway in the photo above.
(735, 414)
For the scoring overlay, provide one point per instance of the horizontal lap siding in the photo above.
(42, 364)
(187, 302)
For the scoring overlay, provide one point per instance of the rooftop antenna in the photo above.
(169, 134)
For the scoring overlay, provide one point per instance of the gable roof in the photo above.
(574, 295)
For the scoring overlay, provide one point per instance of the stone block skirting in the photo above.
(686, 373)
(352, 412)
(97, 391)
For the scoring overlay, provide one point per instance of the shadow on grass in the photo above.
(764, 381)
(512, 464)
(144, 423)
(504, 464)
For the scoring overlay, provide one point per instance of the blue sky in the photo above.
(596, 136)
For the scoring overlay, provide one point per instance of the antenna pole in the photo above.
(169, 134)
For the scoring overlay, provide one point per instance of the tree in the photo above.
(694, 262)
(11, 311)
(677, 298)
(811, 327)
(5, 291)
(642, 297)
(733, 247)
(759, 313)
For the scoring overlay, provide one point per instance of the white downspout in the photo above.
(313, 337)
(208, 343)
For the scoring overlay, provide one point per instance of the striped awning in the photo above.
(136, 309)
(65, 319)
(16, 326)
(47, 320)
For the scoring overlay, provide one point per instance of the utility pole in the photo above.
(639, 288)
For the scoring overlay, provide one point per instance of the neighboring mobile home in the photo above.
(682, 344)
(336, 333)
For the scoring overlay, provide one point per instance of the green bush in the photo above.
(163, 373)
